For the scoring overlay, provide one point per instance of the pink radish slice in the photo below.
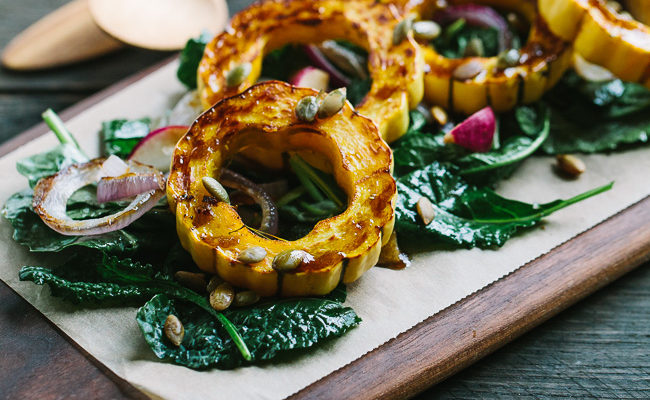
(312, 78)
(320, 61)
(476, 133)
(157, 147)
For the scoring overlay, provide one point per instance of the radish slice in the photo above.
(312, 78)
(157, 147)
(320, 61)
(476, 133)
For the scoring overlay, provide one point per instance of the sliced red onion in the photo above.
(129, 185)
(51, 197)
(344, 58)
(477, 15)
(269, 210)
(114, 166)
(318, 58)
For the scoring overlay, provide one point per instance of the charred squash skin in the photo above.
(543, 60)
(396, 70)
(343, 247)
(601, 36)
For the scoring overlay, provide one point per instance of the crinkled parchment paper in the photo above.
(389, 301)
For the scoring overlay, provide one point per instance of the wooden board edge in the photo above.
(76, 109)
(477, 325)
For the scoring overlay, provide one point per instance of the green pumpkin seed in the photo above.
(426, 30)
(252, 255)
(245, 298)
(289, 260)
(236, 76)
(213, 283)
(402, 30)
(332, 103)
(174, 330)
(508, 58)
(307, 108)
(222, 296)
(215, 189)
(474, 48)
(193, 280)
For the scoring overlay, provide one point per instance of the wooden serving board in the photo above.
(425, 354)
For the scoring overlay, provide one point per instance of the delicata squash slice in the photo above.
(602, 35)
(340, 248)
(540, 64)
(395, 69)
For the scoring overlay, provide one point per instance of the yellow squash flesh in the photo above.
(602, 36)
(544, 59)
(343, 247)
(396, 70)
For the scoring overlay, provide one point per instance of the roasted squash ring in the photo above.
(602, 36)
(396, 70)
(544, 59)
(343, 247)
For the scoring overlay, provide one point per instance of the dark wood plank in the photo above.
(460, 335)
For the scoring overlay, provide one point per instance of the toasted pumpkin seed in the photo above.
(216, 189)
(474, 48)
(439, 114)
(425, 210)
(426, 30)
(222, 296)
(289, 260)
(214, 282)
(307, 108)
(238, 74)
(468, 70)
(402, 30)
(252, 255)
(332, 103)
(174, 330)
(570, 164)
(614, 6)
(508, 58)
(193, 280)
(245, 298)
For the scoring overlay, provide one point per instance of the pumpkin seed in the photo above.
(307, 108)
(508, 58)
(615, 6)
(174, 330)
(468, 70)
(245, 298)
(193, 280)
(236, 76)
(402, 30)
(213, 283)
(425, 210)
(426, 30)
(222, 296)
(252, 255)
(439, 114)
(215, 189)
(570, 164)
(289, 260)
(332, 103)
(474, 48)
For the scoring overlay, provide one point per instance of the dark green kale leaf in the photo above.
(357, 90)
(120, 136)
(269, 329)
(453, 42)
(49, 163)
(189, 60)
(592, 117)
(282, 63)
(465, 215)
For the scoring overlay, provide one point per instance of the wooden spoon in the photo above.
(83, 29)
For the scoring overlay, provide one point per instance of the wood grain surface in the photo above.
(597, 349)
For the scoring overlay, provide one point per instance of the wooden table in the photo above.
(599, 348)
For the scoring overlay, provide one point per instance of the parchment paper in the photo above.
(389, 301)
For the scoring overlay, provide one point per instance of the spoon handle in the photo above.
(65, 36)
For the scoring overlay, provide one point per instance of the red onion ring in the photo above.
(269, 210)
(320, 61)
(51, 197)
(477, 15)
(128, 185)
